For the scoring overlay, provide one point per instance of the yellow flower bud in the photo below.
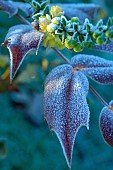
(43, 22)
(51, 27)
(56, 20)
(56, 11)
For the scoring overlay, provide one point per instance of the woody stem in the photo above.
(98, 96)
(61, 55)
(22, 19)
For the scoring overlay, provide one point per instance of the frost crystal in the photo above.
(106, 124)
(96, 68)
(105, 47)
(12, 7)
(20, 40)
(8, 7)
(65, 105)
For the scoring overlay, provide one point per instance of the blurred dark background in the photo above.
(25, 140)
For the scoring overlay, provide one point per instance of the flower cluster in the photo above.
(50, 24)
(61, 32)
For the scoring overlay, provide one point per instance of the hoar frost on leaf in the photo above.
(8, 7)
(20, 40)
(65, 105)
(98, 69)
(105, 47)
(12, 7)
(106, 123)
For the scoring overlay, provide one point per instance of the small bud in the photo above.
(109, 33)
(68, 44)
(43, 22)
(75, 19)
(56, 20)
(95, 35)
(51, 27)
(88, 44)
(100, 40)
(56, 11)
(78, 48)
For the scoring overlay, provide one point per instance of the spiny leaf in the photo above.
(20, 40)
(105, 47)
(98, 69)
(8, 7)
(66, 108)
(106, 123)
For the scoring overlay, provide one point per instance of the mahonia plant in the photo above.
(66, 87)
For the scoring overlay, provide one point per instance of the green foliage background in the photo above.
(29, 143)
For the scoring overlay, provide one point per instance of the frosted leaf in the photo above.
(8, 7)
(12, 7)
(25, 7)
(20, 40)
(105, 47)
(81, 11)
(101, 75)
(65, 105)
(98, 69)
(106, 123)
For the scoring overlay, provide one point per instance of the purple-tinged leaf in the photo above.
(98, 69)
(105, 47)
(20, 40)
(8, 7)
(65, 105)
(101, 75)
(106, 123)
